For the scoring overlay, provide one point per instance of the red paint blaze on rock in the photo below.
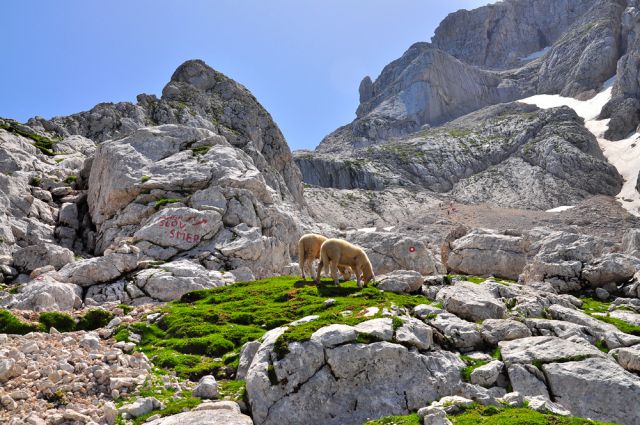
(412, 249)
(185, 236)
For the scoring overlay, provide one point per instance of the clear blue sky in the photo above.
(303, 60)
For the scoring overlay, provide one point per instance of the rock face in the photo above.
(510, 155)
(477, 61)
(595, 388)
(395, 386)
(500, 35)
(182, 190)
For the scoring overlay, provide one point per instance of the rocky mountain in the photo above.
(147, 251)
(493, 55)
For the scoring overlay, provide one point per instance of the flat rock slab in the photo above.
(545, 349)
(595, 388)
(205, 417)
(471, 302)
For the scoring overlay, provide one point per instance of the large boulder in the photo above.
(179, 190)
(115, 262)
(45, 293)
(471, 302)
(400, 281)
(545, 349)
(170, 281)
(32, 257)
(389, 251)
(486, 253)
(595, 388)
(559, 257)
(324, 385)
(611, 269)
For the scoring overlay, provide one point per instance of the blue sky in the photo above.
(303, 60)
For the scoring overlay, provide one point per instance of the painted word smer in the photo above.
(177, 227)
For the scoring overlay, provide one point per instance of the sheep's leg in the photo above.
(303, 264)
(320, 266)
(334, 272)
(358, 276)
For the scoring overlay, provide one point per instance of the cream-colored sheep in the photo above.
(309, 250)
(335, 252)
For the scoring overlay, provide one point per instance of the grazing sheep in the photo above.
(335, 252)
(309, 250)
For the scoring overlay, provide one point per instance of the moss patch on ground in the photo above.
(491, 415)
(174, 402)
(600, 310)
(396, 420)
(202, 333)
(9, 324)
(479, 279)
(91, 320)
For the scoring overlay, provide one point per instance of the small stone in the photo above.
(207, 387)
(90, 341)
(328, 302)
(110, 413)
(7, 402)
(602, 294)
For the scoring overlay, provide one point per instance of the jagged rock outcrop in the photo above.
(508, 155)
(179, 190)
(624, 107)
(200, 97)
(501, 35)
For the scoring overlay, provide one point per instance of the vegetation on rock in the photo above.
(203, 332)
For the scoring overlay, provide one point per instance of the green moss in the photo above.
(472, 364)
(620, 324)
(201, 150)
(589, 305)
(232, 389)
(44, 144)
(458, 132)
(35, 181)
(71, 179)
(9, 324)
(491, 415)
(62, 322)
(600, 310)
(203, 332)
(125, 308)
(602, 346)
(94, 319)
(173, 401)
(144, 179)
(271, 373)
(396, 420)
(165, 201)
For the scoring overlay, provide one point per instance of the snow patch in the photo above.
(560, 209)
(367, 229)
(623, 154)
